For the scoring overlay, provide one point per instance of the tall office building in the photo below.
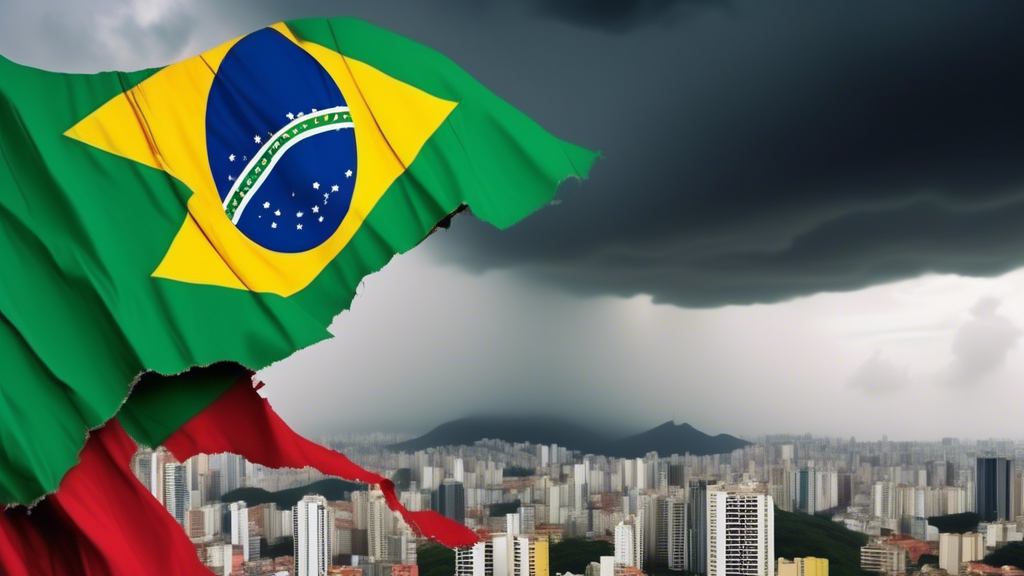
(672, 549)
(239, 514)
(378, 525)
(741, 532)
(698, 526)
(807, 490)
(554, 505)
(312, 524)
(451, 500)
(955, 549)
(158, 459)
(648, 509)
(232, 472)
(844, 490)
(527, 519)
(994, 489)
(629, 541)
(175, 488)
(883, 500)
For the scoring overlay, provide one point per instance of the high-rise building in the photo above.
(239, 513)
(451, 501)
(554, 505)
(158, 458)
(195, 525)
(175, 488)
(629, 541)
(994, 489)
(671, 533)
(312, 523)
(527, 519)
(844, 490)
(213, 518)
(806, 490)
(741, 532)
(698, 526)
(503, 555)
(647, 509)
(955, 549)
(883, 500)
(512, 525)
(378, 525)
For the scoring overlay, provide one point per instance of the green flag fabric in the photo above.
(225, 208)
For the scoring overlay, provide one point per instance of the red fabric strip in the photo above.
(242, 422)
(101, 522)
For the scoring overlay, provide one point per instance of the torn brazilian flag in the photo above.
(225, 208)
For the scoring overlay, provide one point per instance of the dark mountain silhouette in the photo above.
(666, 439)
(535, 429)
(670, 438)
(330, 488)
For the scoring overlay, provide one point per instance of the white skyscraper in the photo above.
(741, 532)
(883, 500)
(641, 474)
(240, 526)
(629, 541)
(312, 524)
(175, 491)
(156, 469)
(554, 505)
(378, 525)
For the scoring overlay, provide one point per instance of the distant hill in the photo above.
(800, 535)
(670, 438)
(330, 488)
(535, 429)
(666, 439)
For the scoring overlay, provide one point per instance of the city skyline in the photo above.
(713, 514)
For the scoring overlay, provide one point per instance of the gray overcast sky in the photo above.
(807, 218)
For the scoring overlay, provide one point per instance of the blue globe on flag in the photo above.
(280, 143)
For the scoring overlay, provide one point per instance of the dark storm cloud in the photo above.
(619, 15)
(771, 151)
(753, 151)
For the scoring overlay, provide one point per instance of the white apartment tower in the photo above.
(741, 532)
(629, 541)
(883, 500)
(240, 526)
(379, 521)
(554, 505)
(312, 524)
